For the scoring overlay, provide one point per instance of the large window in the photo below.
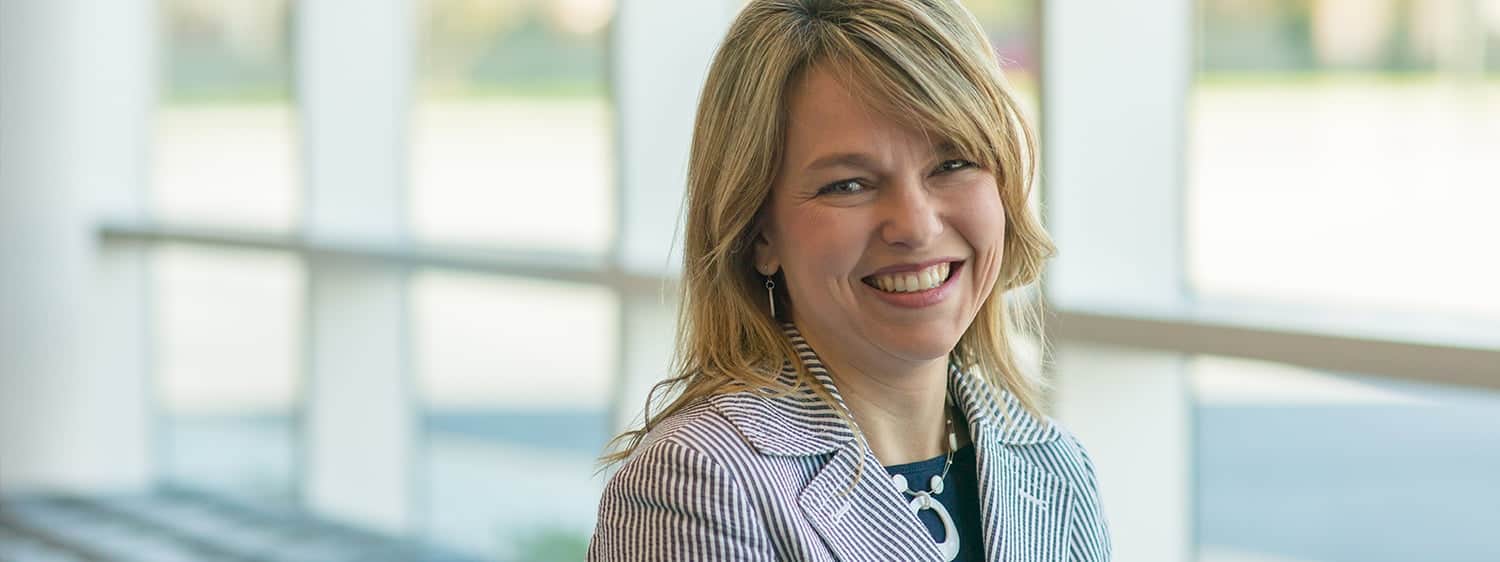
(458, 277)
(228, 354)
(1340, 161)
(1342, 151)
(512, 148)
(227, 323)
(1276, 329)
(514, 377)
(511, 133)
(226, 151)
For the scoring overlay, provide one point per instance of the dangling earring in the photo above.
(771, 295)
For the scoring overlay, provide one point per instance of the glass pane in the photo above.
(512, 127)
(1298, 465)
(226, 147)
(1014, 31)
(650, 334)
(228, 355)
(1342, 152)
(515, 378)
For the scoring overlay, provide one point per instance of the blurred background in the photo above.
(377, 279)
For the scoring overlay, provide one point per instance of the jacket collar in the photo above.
(799, 423)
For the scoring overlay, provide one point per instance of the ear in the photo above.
(766, 261)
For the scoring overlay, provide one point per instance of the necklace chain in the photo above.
(948, 461)
(926, 499)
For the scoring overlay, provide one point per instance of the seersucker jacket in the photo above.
(742, 476)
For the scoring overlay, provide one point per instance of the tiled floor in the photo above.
(181, 526)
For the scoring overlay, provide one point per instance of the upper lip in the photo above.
(905, 267)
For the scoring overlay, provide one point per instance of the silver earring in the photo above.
(771, 295)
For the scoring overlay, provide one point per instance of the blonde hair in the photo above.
(926, 62)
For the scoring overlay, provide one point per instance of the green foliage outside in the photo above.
(551, 544)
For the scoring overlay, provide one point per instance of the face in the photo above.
(889, 241)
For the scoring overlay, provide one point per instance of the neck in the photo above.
(900, 406)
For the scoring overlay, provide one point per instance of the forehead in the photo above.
(824, 116)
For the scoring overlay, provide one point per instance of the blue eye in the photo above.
(842, 187)
(955, 164)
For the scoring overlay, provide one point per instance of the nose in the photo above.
(910, 216)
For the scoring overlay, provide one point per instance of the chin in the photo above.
(917, 343)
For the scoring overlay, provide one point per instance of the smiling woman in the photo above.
(897, 212)
(856, 213)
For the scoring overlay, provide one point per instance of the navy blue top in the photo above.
(960, 496)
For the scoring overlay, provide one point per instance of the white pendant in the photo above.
(923, 500)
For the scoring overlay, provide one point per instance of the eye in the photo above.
(842, 187)
(954, 165)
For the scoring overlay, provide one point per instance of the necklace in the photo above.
(925, 500)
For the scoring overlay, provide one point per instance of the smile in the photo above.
(911, 281)
(916, 289)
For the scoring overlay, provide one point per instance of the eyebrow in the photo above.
(852, 159)
(862, 160)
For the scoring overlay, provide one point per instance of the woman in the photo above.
(845, 385)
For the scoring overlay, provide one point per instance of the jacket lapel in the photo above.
(1024, 505)
(869, 522)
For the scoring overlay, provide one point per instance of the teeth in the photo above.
(913, 281)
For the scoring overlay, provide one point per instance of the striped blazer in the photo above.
(746, 477)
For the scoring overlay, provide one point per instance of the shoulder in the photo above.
(678, 496)
(699, 442)
(700, 429)
(685, 451)
(1037, 437)
(745, 442)
(1061, 453)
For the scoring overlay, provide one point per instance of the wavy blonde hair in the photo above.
(925, 62)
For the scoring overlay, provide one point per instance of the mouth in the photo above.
(925, 279)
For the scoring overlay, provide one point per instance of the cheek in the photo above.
(986, 219)
(824, 246)
(981, 221)
(980, 214)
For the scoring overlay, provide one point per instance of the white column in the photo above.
(75, 86)
(1115, 91)
(355, 61)
(1115, 86)
(660, 55)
